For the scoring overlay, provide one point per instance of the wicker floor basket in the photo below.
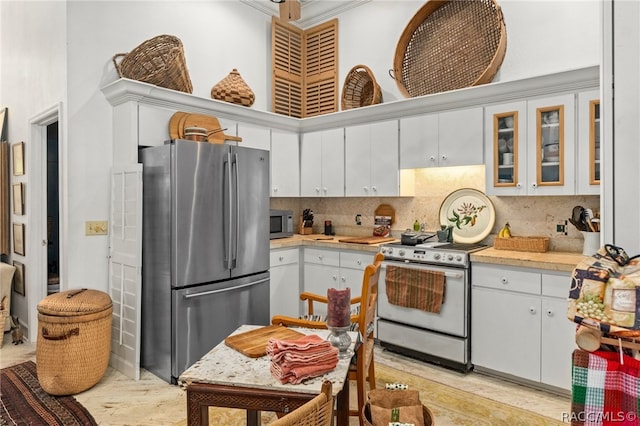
(159, 60)
(74, 340)
(426, 413)
(450, 45)
(360, 88)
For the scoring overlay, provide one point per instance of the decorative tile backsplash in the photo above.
(535, 215)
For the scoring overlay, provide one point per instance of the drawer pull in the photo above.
(532, 310)
(281, 258)
(549, 313)
(504, 280)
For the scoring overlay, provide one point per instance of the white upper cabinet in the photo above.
(322, 163)
(530, 147)
(588, 142)
(254, 136)
(285, 164)
(452, 138)
(371, 160)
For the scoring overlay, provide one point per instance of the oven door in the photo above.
(452, 318)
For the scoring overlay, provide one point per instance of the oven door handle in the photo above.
(446, 274)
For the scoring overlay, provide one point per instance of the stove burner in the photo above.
(462, 247)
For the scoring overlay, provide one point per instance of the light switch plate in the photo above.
(96, 227)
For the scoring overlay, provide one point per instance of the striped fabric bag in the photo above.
(605, 389)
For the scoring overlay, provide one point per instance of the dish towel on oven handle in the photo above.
(415, 288)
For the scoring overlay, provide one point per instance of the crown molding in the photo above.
(313, 11)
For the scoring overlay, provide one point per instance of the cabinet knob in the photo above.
(444, 157)
(343, 279)
(275, 189)
(335, 278)
(518, 185)
(534, 185)
(549, 313)
(374, 189)
(281, 258)
(320, 257)
(432, 158)
(317, 190)
(365, 188)
(359, 262)
(325, 189)
(504, 280)
(532, 310)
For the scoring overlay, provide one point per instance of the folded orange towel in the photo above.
(293, 361)
(414, 288)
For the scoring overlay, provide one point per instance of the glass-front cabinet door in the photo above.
(589, 147)
(505, 150)
(551, 145)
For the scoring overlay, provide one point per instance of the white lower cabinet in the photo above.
(327, 268)
(285, 282)
(519, 325)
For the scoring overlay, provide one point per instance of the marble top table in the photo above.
(225, 377)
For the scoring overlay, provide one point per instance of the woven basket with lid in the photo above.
(74, 340)
(233, 89)
(450, 45)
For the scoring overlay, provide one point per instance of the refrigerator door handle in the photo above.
(227, 219)
(222, 290)
(237, 230)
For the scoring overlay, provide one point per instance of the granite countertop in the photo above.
(226, 366)
(551, 260)
(321, 240)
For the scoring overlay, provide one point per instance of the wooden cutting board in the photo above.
(181, 120)
(366, 240)
(253, 343)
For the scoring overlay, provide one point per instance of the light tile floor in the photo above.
(117, 400)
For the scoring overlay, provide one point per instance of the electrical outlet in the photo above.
(561, 227)
(96, 227)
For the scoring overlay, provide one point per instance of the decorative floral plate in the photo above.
(470, 213)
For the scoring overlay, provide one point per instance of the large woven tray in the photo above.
(450, 45)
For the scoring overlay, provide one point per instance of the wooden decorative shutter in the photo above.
(286, 65)
(4, 198)
(321, 69)
(305, 69)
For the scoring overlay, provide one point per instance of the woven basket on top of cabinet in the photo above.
(360, 88)
(159, 61)
(450, 45)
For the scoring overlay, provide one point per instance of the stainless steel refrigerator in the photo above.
(205, 249)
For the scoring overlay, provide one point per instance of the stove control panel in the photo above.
(425, 255)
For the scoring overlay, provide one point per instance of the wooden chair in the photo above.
(317, 412)
(363, 371)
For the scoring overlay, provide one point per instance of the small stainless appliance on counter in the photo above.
(280, 223)
(205, 249)
(444, 337)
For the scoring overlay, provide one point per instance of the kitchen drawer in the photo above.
(322, 257)
(556, 285)
(284, 257)
(502, 278)
(355, 260)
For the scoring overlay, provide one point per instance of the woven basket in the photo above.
(158, 61)
(532, 244)
(450, 45)
(360, 88)
(74, 340)
(233, 89)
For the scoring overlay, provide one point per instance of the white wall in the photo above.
(46, 44)
(32, 79)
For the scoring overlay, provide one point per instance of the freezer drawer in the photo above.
(205, 315)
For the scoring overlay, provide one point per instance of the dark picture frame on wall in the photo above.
(18, 158)
(18, 198)
(18, 278)
(18, 238)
